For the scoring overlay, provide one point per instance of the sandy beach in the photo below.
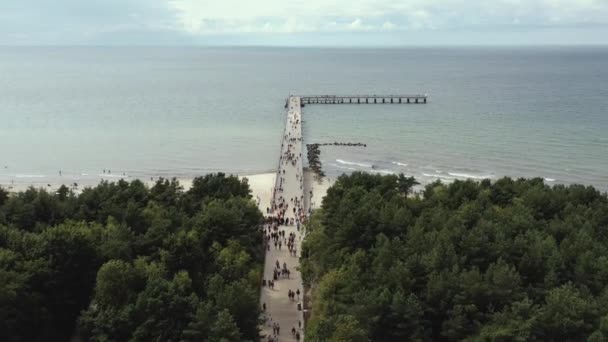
(261, 187)
(318, 188)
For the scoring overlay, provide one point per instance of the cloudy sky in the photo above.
(303, 22)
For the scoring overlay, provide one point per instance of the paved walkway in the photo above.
(280, 308)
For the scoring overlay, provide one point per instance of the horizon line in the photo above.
(328, 46)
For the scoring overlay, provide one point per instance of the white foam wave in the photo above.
(386, 172)
(437, 176)
(549, 179)
(400, 164)
(343, 167)
(352, 163)
(466, 175)
(112, 176)
(29, 176)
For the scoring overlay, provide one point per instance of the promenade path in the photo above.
(288, 184)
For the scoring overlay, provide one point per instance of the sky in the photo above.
(303, 22)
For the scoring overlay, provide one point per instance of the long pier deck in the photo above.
(288, 201)
(362, 99)
(288, 191)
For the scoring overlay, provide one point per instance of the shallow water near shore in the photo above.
(107, 113)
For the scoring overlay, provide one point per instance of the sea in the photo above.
(83, 114)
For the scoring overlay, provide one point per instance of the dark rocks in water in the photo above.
(335, 143)
(313, 159)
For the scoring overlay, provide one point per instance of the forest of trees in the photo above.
(124, 262)
(511, 260)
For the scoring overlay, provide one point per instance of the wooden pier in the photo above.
(289, 182)
(362, 99)
(287, 192)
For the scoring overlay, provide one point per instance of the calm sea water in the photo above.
(147, 112)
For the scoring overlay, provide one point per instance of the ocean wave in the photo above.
(29, 176)
(352, 163)
(386, 172)
(438, 176)
(343, 167)
(112, 176)
(549, 179)
(469, 176)
(398, 163)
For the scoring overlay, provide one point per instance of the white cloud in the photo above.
(378, 15)
(74, 21)
(388, 26)
(357, 25)
(420, 19)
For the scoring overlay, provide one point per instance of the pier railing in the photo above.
(278, 176)
(363, 99)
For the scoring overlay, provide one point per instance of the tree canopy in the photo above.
(124, 262)
(511, 260)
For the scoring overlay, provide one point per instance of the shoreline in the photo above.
(53, 183)
(261, 185)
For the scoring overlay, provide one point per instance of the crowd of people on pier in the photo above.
(285, 212)
(276, 331)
